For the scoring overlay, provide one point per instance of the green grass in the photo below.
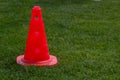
(83, 34)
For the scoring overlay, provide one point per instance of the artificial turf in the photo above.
(83, 34)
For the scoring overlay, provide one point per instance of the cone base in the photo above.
(50, 62)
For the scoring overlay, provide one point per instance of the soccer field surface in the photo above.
(83, 34)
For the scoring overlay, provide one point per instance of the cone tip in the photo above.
(36, 8)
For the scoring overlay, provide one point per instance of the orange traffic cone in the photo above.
(36, 52)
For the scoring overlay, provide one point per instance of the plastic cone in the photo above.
(36, 52)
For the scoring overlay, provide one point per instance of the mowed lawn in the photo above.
(83, 34)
